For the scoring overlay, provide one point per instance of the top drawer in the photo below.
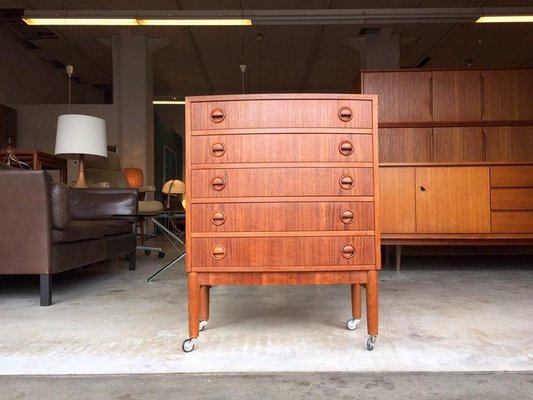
(515, 176)
(279, 113)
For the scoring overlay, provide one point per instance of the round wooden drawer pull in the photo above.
(348, 251)
(347, 217)
(218, 149)
(345, 114)
(346, 182)
(218, 218)
(218, 183)
(217, 115)
(346, 147)
(218, 252)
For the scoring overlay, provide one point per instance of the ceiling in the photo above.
(279, 58)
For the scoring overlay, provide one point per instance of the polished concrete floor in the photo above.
(439, 314)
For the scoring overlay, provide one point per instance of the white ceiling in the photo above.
(204, 60)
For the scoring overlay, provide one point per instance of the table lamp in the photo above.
(174, 187)
(134, 176)
(78, 135)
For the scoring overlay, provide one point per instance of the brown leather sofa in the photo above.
(49, 228)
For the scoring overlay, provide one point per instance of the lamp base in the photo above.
(81, 183)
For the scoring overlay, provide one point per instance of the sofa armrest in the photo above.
(146, 189)
(103, 203)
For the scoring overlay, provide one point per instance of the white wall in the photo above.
(26, 79)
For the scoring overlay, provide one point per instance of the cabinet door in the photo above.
(397, 199)
(509, 143)
(456, 96)
(402, 96)
(458, 144)
(404, 145)
(452, 200)
(507, 95)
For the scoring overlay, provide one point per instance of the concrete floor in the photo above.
(339, 385)
(459, 314)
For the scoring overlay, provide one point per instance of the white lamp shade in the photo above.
(81, 134)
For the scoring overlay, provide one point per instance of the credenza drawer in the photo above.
(515, 176)
(271, 253)
(511, 199)
(281, 182)
(281, 113)
(282, 148)
(281, 217)
(512, 221)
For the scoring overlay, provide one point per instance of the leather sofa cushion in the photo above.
(59, 196)
(115, 226)
(78, 230)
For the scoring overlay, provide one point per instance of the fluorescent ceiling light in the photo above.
(368, 16)
(80, 21)
(505, 18)
(195, 22)
(169, 102)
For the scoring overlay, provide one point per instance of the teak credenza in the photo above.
(281, 189)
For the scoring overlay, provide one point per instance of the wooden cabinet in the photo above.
(511, 199)
(395, 91)
(405, 145)
(452, 200)
(468, 115)
(446, 204)
(456, 95)
(507, 95)
(458, 144)
(281, 189)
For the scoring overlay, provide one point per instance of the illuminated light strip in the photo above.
(133, 21)
(195, 22)
(169, 102)
(505, 18)
(81, 21)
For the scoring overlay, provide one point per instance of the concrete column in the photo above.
(379, 50)
(132, 95)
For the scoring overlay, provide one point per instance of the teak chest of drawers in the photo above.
(281, 189)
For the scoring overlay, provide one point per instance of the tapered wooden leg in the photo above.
(194, 305)
(204, 302)
(372, 302)
(356, 301)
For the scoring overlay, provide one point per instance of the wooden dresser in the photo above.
(281, 189)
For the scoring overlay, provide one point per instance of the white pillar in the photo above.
(378, 51)
(132, 95)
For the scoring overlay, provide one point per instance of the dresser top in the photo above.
(282, 96)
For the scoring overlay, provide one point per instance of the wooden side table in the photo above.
(40, 160)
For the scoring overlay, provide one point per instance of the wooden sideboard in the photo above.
(456, 204)
(443, 135)
(282, 190)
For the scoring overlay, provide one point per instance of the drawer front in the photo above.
(281, 217)
(279, 113)
(281, 148)
(512, 221)
(271, 253)
(511, 176)
(511, 199)
(281, 182)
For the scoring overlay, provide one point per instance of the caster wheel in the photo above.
(203, 324)
(147, 252)
(161, 254)
(187, 345)
(351, 324)
(370, 343)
